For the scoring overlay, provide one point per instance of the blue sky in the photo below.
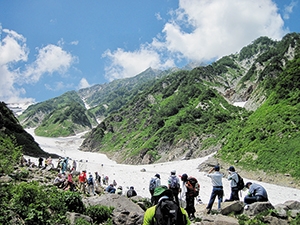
(50, 47)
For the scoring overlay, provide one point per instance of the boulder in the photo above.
(229, 207)
(5, 179)
(73, 217)
(292, 204)
(274, 221)
(281, 211)
(225, 220)
(258, 207)
(125, 211)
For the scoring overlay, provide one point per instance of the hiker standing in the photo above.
(74, 164)
(234, 179)
(90, 183)
(82, 181)
(216, 180)
(174, 185)
(157, 213)
(97, 178)
(257, 193)
(154, 182)
(41, 162)
(189, 196)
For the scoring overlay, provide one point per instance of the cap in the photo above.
(247, 184)
(231, 168)
(159, 190)
(217, 168)
(157, 175)
(173, 171)
(184, 177)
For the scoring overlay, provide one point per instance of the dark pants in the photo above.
(190, 205)
(175, 194)
(234, 194)
(217, 191)
(255, 198)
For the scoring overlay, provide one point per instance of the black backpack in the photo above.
(240, 183)
(196, 187)
(167, 212)
(152, 184)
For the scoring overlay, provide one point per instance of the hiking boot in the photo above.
(208, 211)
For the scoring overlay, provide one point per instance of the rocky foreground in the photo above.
(130, 211)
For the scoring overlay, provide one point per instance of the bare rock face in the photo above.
(73, 217)
(257, 208)
(125, 211)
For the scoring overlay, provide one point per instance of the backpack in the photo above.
(174, 182)
(90, 181)
(129, 193)
(196, 187)
(167, 212)
(152, 184)
(240, 183)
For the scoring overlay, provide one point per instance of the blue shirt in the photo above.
(216, 178)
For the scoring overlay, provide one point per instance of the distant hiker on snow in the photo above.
(131, 192)
(154, 182)
(167, 211)
(174, 185)
(90, 183)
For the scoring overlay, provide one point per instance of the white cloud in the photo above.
(215, 28)
(83, 84)
(128, 64)
(288, 9)
(50, 59)
(200, 31)
(13, 51)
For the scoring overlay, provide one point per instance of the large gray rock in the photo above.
(225, 220)
(281, 211)
(258, 207)
(229, 207)
(125, 211)
(5, 179)
(291, 204)
(73, 217)
(274, 221)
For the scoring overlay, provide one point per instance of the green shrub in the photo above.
(10, 153)
(99, 213)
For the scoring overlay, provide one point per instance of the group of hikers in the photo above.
(176, 199)
(166, 204)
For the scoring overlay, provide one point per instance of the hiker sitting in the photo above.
(119, 190)
(157, 212)
(131, 192)
(257, 193)
(59, 181)
(110, 189)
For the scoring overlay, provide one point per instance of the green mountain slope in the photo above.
(61, 116)
(269, 139)
(11, 129)
(185, 114)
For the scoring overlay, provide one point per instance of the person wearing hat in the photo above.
(163, 194)
(154, 182)
(234, 179)
(190, 200)
(174, 185)
(257, 193)
(216, 180)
